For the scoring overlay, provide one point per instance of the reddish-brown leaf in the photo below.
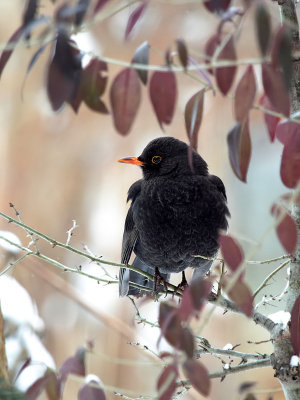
(295, 326)
(232, 252)
(225, 75)
(270, 120)
(141, 56)
(245, 94)
(163, 94)
(263, 27)
(125, 98)
(210, 48)
(7, 52)
(92, 86)
(134, 17)
(193, 116)
(217, 6)
(239, 147)
(91, 391)
(286, 229)
(166, 384)
(194, 297)
(275, 89)
(281, 54)
(288, 132)
(241, 295)
(178, 336)
(197, 375)
(182, 52)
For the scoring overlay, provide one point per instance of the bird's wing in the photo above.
(130, 237)
(219, 184)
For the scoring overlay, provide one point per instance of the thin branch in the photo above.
(70, 231)
(12, 264)
(273, 273)
(231, 353)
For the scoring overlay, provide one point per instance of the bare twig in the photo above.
(70, 231)
(266, 280)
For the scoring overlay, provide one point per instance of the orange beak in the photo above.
(132, 160)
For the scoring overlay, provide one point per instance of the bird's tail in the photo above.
(126, 275)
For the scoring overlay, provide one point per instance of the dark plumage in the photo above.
(174, 214)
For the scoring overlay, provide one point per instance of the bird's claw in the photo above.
(158, 279)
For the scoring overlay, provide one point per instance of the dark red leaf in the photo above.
(194, 297)
(9, 48)
(178, 336)
(231, 251)
(239, 146)
(92, 86)
(263, 27)
(275, 89)
(225, 75)
(163, 94)
(99, 5)
(73, 365)
(281, 54)
(197, 375)
(295, 326)
(64, 72)
(166, 384)
(245, 94)
(47, 382)
(141, 56)
(91, 391)
(125, 98)
(134, 17)
(270, 120)
(29, 15)
(286, 229)
(193, 117)
(210, 48)
(288, 132)
(182, 52)
(241, 295)
(217, 6)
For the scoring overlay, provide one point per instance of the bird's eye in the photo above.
(156, 159)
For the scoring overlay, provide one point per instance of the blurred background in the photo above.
(59, 167)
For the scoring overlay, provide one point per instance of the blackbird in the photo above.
(176, 212)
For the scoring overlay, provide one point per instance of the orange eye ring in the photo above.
(156, 159)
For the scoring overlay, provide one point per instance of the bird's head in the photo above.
(167, 156)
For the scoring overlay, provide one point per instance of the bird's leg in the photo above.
(183, 284)
(158, 279)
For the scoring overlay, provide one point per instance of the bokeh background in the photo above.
(59, 167)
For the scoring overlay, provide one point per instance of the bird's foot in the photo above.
(158, 280)
(183, 284)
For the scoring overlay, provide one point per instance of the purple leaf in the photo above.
(225, 75)
(73, 365)
(288, 132)
(198, 376)
(239, 147)
(29, 15)
(125, 98)
(7, 52)
(245, 94)
(47, 382)
(141, 56)
(281, 54)
(263, 27)
(275, 89)
(270, 120)
(91, 391)
(64, 72)
(163, 94)
(134, 17)
(194, 297)
(286, 229)
(241, 295)
(232, 252)
(217, 6)
(166, 384)
(295, 326)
